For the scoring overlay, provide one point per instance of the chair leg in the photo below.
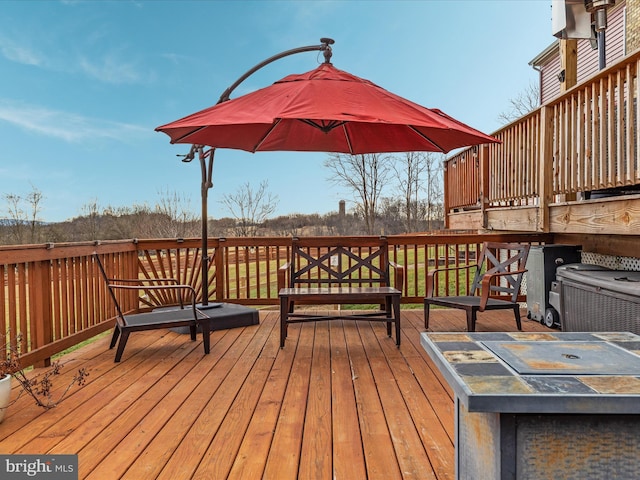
(123, 341)
(471, 320)
(426, 315)
(114, 337)
(516, 312)
(206, 336)
(193, 329)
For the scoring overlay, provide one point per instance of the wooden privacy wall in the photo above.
(584, 140)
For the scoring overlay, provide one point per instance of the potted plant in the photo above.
(39, 388)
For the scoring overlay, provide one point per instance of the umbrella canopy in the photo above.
(324, 110)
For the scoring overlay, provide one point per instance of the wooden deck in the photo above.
(340, 401)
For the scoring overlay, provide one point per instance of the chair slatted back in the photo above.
(107, 281)
(502, 258)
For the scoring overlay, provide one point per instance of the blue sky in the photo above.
(83, 84)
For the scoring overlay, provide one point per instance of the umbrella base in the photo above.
(226, 315)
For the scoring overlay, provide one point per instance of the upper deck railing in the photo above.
(55, 297)
(584, 140)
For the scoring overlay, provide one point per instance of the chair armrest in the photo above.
(161, 287)
(432, 277)
(172, 281)
(283, 272)
(398, 277)
(486, 284)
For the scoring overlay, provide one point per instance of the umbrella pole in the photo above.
(207, 173)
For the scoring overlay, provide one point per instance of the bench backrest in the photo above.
(351, 261)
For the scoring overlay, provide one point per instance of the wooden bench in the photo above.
(329, 271)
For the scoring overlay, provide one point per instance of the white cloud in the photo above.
(67, 126)
(19, 53)
(176, 58)
(108, 68)
(111, 70)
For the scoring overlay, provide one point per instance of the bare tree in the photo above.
(23, 214)
(91, 212)
(526, 101)
(434, 189)
(408, 171)
(179, 218)
(16, 219)
(34, 198)
(250, 207)
(365, 175)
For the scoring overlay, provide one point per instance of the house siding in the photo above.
(587, 56)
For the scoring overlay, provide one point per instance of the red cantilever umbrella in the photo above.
(324, 110)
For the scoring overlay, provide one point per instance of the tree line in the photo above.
(390, 194)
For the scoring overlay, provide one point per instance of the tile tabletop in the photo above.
(555, 372)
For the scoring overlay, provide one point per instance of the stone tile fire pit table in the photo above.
(543, 406)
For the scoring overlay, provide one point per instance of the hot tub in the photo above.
(596, 299)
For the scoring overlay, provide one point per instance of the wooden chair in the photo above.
(496, 283)
(176, 316)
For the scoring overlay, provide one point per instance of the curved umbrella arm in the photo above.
(324, 47)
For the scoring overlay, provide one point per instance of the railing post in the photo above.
(483, 167)
(545, 172)
(131, 270)
(41, 318)
(219, 263)
(447, 190)
(568, 63)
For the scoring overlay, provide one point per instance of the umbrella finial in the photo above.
(326, 48)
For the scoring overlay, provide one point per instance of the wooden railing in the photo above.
(461, 177)
(584, 140)
(54, 296)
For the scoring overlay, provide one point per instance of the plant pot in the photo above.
(5, 394)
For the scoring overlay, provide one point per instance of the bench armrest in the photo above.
(398, 276)
(283, 273)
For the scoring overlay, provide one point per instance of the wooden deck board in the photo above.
(348, 455)
(339, 401)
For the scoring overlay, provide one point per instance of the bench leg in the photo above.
(389, 309)
(284, 315)
(396, 314)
